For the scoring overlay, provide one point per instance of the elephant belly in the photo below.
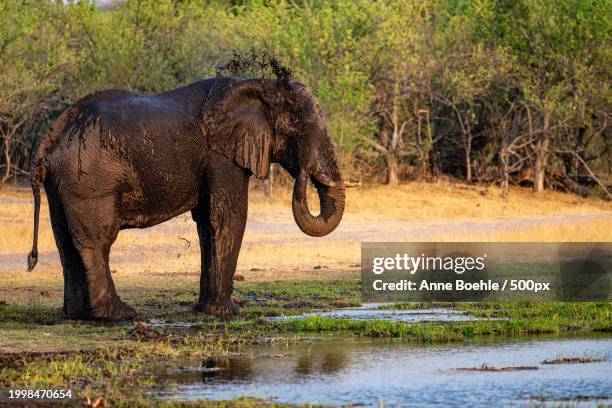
(139, 216)
(159, 200)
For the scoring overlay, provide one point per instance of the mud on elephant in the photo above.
(116, 160)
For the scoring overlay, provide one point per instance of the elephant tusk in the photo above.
(350, 183)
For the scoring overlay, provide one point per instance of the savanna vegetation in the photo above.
(110, 365)
(489, 91)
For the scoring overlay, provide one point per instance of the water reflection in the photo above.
(225, 369)
(310, 363)
(328, 362)
(344, 371)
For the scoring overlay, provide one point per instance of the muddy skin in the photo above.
(116, 160)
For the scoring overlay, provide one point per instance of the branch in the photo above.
(587, 169)
(378, 147)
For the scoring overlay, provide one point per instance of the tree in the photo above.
(401, 67)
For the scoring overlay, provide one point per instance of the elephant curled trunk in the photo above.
(331, 203)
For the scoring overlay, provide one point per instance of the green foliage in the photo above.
(434, 84)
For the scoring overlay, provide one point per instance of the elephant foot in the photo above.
(114, 310)
(74, 313)
(225, 309)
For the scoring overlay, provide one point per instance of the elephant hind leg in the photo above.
(94, 228)
(76, 301)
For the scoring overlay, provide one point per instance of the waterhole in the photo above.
(365, 372)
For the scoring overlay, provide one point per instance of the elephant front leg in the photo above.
(221, 220)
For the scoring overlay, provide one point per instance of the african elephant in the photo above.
(116, 160)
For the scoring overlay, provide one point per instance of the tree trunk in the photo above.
(395, 117)
(538, 174)
(541, 157)
(424, 147)
(468, 160)
(505, 173)
(466, 134)
(7, 158)
(392, 170)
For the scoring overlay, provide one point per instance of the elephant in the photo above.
(116, 160)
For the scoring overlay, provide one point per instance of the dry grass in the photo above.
(444, 201)
(590, 231)
(446, 211)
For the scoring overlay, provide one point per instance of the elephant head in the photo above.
(258, 121)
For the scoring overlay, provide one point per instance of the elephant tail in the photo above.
(38, 173)
(33, 256)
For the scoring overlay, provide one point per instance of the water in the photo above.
(372, 312)
(368, 311)
(358, 371)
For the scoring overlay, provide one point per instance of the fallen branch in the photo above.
(603, 187)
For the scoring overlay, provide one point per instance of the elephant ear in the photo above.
(237, 125)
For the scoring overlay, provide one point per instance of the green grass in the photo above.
(531, 317)
(39, 349)
(435, 332)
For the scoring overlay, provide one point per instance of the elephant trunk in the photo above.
(332, 207)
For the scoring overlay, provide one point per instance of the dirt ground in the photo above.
(274, 248)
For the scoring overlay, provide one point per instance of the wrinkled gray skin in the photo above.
(116, 160)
